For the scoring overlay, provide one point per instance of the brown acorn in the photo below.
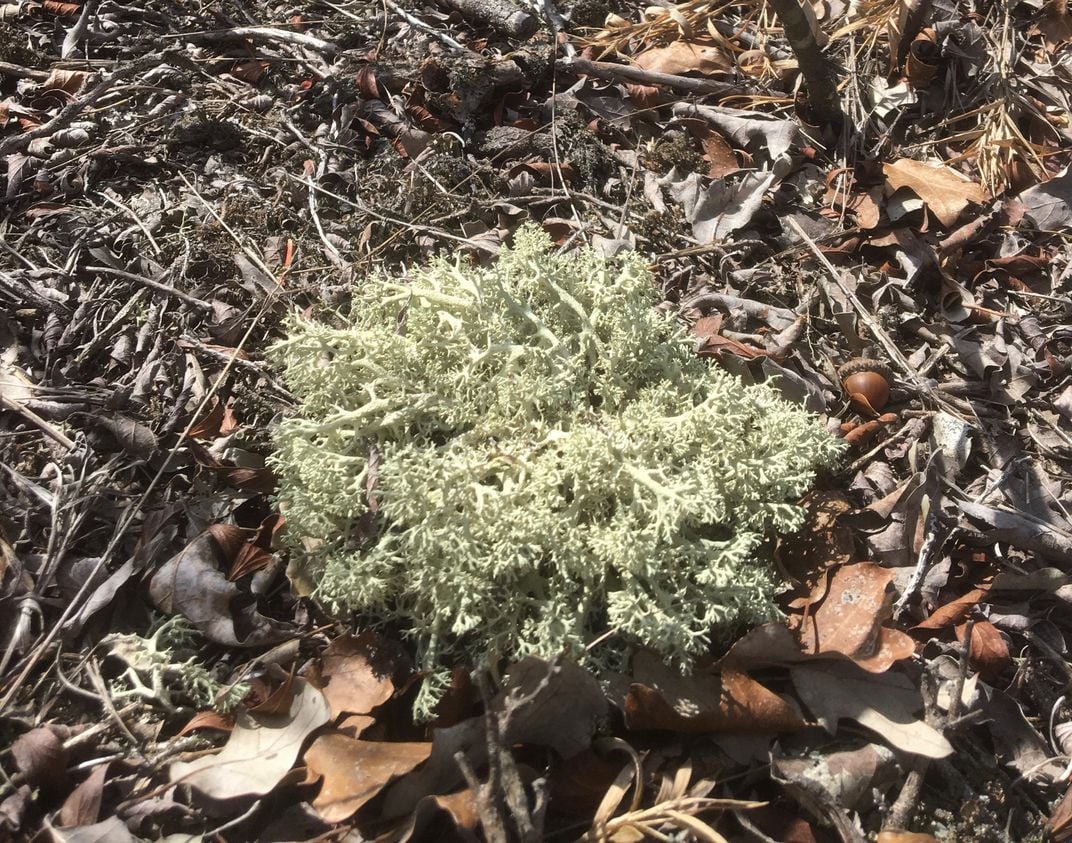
(867, 384)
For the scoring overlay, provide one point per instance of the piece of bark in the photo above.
(505, 16)
(821, 81)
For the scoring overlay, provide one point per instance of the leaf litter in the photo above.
(171, 190)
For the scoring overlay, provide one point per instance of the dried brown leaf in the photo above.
(661, 698)
(41, 757)
(988, 652)
(208, 720)
(259, 752)
(357, 674)
(883, 703)
(191, 583)
(954, 611)
(681, 57)
(849, 619)
(355, 771)
(945, 191)
(461, 809)
(82, 805)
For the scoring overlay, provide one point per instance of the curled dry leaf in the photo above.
(759, 133)
(904, 837)
(718, 209)
(1050, 204)
(711, 343)
(720, 158)
(271, 694)
(260, 750)
(355, 771)
(564, 702)
(69, 81)
(192, 583)
(82, 806)
(954, 611)
(208, 720)
(460, 808)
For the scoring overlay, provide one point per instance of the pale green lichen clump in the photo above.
(545, 459)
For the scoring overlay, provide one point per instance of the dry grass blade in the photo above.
(680, 814)
(662, 25)
(1000, 144)
(632, 773)
(874, 18)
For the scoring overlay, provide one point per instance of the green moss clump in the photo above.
(543, 458)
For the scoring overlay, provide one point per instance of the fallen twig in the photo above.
(623, 73)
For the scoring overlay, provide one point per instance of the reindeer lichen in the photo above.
(513, 460)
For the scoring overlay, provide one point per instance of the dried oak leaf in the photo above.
(945, 191)
(988, 652)
(661, 698)
(208, 720)
(192, 583)
(41, 757)
(849, 619)
(355, 771)
(260, 750)
(953, 612)
(680, 57)
(357, 674)
(460, 808)
(82, 805)
(883, 703)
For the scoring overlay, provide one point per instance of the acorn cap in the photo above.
(865, 364)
